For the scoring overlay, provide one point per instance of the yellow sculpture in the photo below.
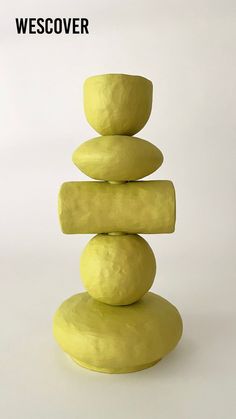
(117, 104)
(117, 326)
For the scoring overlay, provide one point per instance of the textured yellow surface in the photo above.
(132, 207)
(117, 103)
(117, 326)
(117, 269)
(117, 339)
(117, 157)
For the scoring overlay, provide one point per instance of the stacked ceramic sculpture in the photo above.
(117, 326)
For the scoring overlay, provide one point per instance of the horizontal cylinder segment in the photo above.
(132, 207)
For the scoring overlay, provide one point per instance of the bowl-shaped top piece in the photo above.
(117, 104)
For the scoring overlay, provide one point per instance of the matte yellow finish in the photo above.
(117, 157)
(117, 103)
(117, 326)
(132, 207)
(117, 269)
(117, 339)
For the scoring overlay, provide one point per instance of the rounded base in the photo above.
(117, 339)
(114, 370)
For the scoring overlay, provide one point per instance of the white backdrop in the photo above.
(187, 48)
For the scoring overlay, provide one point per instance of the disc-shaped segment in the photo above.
(117, 158)
(117, 339)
